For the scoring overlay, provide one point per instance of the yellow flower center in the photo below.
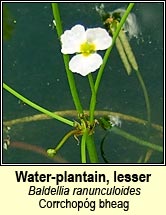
(87, 48)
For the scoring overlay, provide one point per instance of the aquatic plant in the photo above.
(85, 44)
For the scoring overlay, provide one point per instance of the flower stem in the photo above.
(93, 98)
(70, 76)
(147, 101)
(83, 146)
(91, 147)
(37, 107)
(101, 70)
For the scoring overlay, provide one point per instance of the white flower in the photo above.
(85, 43)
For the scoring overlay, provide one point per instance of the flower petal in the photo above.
(100, 37)
(71, 39)
(85, 64)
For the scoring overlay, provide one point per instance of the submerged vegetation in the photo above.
(119, 26)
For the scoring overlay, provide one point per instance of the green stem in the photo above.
(136, 139)
(64, 139)
(93, 98)
(70, 76)
(147, 101)
(52, 152)
(105, 59)
(83, 146)
(91, 147)
(70, 79)
(37, 107)
(100, 73)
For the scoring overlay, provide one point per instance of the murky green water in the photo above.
(33, 65)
